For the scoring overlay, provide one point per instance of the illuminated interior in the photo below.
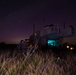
(52, 42)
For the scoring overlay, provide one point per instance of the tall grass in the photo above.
(39, 63)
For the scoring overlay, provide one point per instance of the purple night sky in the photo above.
(18, 16)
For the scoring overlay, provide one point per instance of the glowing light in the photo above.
(35, 34)
(52, 42)
(68, 47)
(71, 48)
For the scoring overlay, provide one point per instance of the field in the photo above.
(39, 63)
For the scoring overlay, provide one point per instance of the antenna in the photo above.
(44, 21)
(33, 28)
(64, 25)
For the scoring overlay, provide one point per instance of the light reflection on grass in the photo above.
(37, 64)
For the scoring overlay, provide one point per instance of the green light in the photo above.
(52, 42)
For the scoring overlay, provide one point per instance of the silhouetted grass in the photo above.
(16, 63)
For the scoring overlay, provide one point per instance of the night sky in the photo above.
(18, 16)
